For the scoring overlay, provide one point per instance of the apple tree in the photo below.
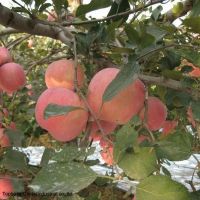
(128, 82)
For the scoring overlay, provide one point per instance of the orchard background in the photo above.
(129, 80)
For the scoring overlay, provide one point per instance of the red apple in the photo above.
(156, 114)
(62, 127)
(122, 107)
(12, 77)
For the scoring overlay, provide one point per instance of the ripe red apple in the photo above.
(5, 56)
(168, 127)
(4, 140)
(96, 134)
(12, 77)
(6, 186)
(122, 107)
(61, 74)
(64, 127)
(107, 151)
(156, 114)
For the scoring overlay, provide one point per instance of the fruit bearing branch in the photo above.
(8, 18)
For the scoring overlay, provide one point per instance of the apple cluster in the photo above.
(12, 76)
(129, 102)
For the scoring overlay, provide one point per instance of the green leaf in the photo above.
(146, 40)
(93, 5)
(176, 75)
(193, 23)
(125, 138)
(160, 188)
(165, 171)
(16, 137)
(43, 7)
(177, 99)
(139, 37)
(58, 5)
(67, 154)
(122, 50)
(196, 110)
(156, 31)
(125, 77)
(14, 160)
(195, 9)
(56, 110)
(196, 195)
(46, 156)
(175, 147)
(110, 31)
(18, 184)
(132, 34)
(20, 10)
(177, 9)
(73, 197)
(27, 2)
(39, 3)
(190, 55)
(156, 13)
(83, 43)
(140, 164)
(171, 60)
(119, 6)
(63, 177)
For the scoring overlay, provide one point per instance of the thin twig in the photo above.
(122, 14)
(166, 47)
(90, 110)
(146, 114)
(17, 41)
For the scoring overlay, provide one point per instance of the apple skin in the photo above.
(6, 186)
(60, 73)
(63, 127)
(156, 114)
(122, 107)
(4, 139)
(12, 77)
(168, 127)
(95, 133)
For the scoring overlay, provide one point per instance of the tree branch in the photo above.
(8, 31)
(170, 83)
(14, 20)
(122, 14)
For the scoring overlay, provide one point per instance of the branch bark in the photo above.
(8, 31)
(9, 18)
(169, 83)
